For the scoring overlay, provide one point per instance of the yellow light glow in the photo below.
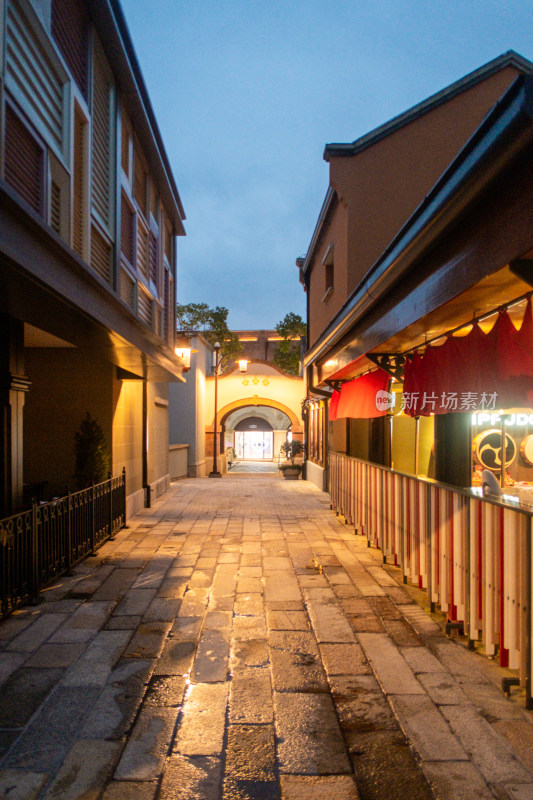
(185, 354)
(243, 364)
(330, 364)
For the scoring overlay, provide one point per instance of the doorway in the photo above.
(251, 445)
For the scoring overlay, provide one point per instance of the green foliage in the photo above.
(292, 448)
(212, 323)
(291, 326)
(92, 454)
(287, 353)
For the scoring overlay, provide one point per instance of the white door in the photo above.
(254, 445)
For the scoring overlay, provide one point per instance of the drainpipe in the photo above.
(147, 499)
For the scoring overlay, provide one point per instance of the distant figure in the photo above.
(489, 483)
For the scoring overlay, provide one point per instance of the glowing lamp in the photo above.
(184, 351)
(243, 365)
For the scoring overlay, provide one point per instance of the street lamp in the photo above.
(216, 362)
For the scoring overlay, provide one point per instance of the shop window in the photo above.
(338, 435)
(358, 438)
(316, 432)
(70, 29)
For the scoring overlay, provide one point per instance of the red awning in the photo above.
(480, 370)
(357, 398)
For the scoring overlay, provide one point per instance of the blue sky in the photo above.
(248, 92)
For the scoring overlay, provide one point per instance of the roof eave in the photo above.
(508, 59)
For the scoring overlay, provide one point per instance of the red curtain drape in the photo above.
(480, 370)
(357, 398)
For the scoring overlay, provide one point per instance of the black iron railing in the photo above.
(39, 545)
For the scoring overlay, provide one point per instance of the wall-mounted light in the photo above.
(243, 364)
(184, 351)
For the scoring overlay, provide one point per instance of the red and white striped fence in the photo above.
(471, 554)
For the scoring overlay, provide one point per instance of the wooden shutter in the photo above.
(24, 161)
(139, 181)
(55, 207)
(127, 231)
(144, 307)
(79, 211)
(70, 29)
(101, 255)
(153, 258)
(142, 248)
(101, 141)
(127, 288)
(167, 315)
(33, 77)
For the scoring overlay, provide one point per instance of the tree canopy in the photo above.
(212, 323)
(287, 354)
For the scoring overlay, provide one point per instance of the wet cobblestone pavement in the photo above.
(239, 642)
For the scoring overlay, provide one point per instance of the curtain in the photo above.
(474, 372)
(357, 398)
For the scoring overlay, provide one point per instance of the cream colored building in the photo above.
(256, 411)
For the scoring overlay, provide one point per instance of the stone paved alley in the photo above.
(238, 641)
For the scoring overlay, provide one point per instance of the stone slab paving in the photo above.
(238, 642)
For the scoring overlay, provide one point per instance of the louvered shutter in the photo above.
(144, 307)
(139, 184)
(79, 211)
(127, 288)
(23, 161)
(55, 207)
(101, 141)
(127, 232)
(153, 258)
(142, 248)
(70, 29)
(34, 78)
(101, 255)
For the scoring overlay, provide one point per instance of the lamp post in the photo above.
(215, 473)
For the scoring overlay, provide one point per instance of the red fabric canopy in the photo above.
(357, 398)
(473, 372)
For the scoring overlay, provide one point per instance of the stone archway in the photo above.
(223, 414)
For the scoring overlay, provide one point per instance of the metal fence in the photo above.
(39, 545)
(471, 554)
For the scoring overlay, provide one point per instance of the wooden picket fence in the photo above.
(471, 554)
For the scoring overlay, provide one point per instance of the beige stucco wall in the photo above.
(158, 465)
(127, 432)
(65, 384)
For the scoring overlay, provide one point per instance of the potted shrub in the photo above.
(92, 454)
(290, 470)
